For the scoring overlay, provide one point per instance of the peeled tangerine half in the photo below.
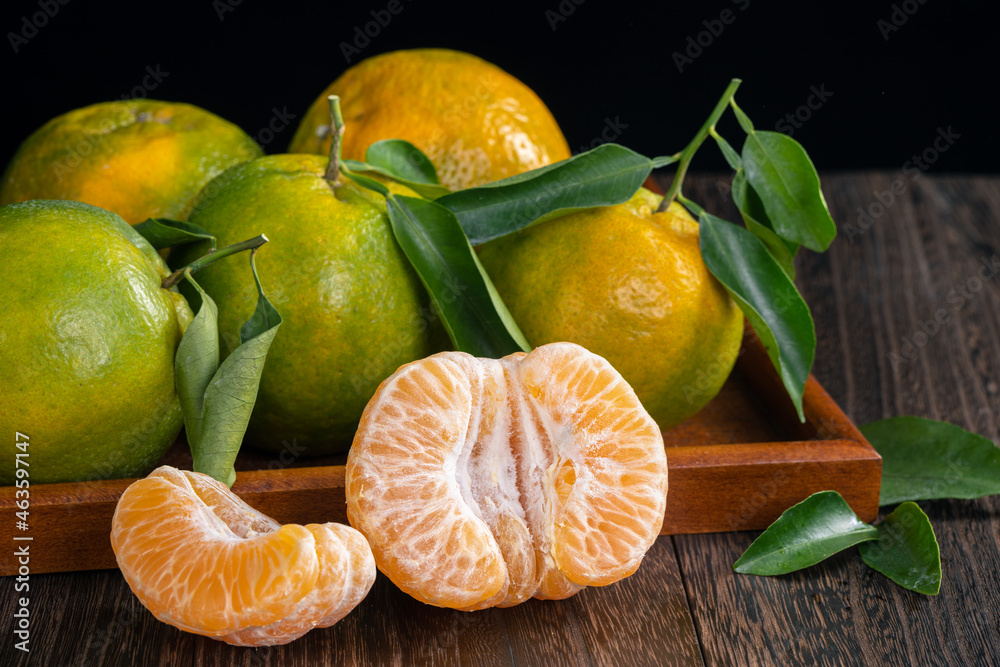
(204, 561)
(482, 482)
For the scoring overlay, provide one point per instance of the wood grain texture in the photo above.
(92, 618)
(685, 605)
(871, 295)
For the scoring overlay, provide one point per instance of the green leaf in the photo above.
(756, 220)
(404, 163)
(472, 312)
(366, 182)
(768, 298)
(230, 394)
(805, 534)
(403, 160)
(607, 175)
(165, 233)
(732, 157)
(665, 160)
(784, 177)
(196, 361)
(742, 118)
(923, 459)
(907, 550)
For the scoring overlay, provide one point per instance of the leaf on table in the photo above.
(165, 233)
(607, 175)
(784, 177)
(923, 459)
(230, 394)
(907, 550)
(767, 296)
(404, 163)
(805, 534)
(757, 222)
(472, 312)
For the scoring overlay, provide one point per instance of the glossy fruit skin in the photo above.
(353, 309)
(474, 121)
(88, 342)
(137, 158)
(629, 285)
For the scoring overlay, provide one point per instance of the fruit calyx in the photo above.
(692, 148)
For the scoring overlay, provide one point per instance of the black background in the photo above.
(607, 60)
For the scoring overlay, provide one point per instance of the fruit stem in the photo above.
(212, 257)
(692, 148)
(336, 134)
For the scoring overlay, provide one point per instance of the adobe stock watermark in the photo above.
(562, 12)
(898, 17)
(363, 35)
(223, 7)
(912, 169)
(957, 298)
(278, 123)
(31, 24)
(794, 120)
(696, 44)
(289, 454)
(611, 131)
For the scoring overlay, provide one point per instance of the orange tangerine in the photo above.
(483, 482)
(139, 158)
(475, 122)
(204, 561)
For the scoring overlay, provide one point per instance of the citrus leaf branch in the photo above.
(471, 310)
(607, 175)
(216, 400)
(767, 296)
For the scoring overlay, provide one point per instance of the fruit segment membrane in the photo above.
(202, 560)
(482, 482)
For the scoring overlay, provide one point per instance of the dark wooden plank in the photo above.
(91, 618)
(643, 620)
(870, 295)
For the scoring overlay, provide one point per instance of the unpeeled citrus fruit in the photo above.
(139, 158)
(87, 343)
(202, 560)
(354, 309)
(474, 121)
(482, 482)
(630, 285)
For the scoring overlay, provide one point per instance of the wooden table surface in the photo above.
(874, 297)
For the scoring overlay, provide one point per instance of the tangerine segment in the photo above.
(482, 482)
(202, 560)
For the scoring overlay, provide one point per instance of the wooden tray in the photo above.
(736, 465)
